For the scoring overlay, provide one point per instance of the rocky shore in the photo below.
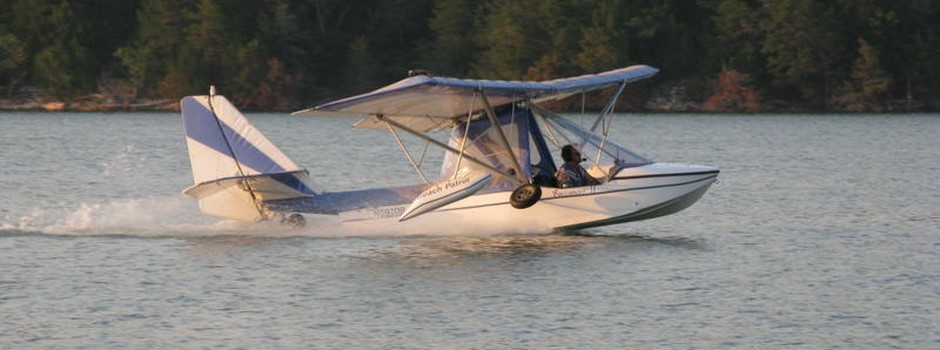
(87, 104)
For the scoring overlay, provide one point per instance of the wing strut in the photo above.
(605, 114)
(407, 154)
(609, 106)
(521, 178)
(422, 136)
(466, 133)
(527, 194)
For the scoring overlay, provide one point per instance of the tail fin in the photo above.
(235, 167)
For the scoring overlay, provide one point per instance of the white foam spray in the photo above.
(178, 216)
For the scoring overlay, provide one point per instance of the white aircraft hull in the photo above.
(633, 194)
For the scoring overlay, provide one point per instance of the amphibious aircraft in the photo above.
(498, 165)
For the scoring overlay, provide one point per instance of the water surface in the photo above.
(823, 233)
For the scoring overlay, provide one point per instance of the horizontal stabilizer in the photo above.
(266, 187)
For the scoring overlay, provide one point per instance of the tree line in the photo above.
(856, 55)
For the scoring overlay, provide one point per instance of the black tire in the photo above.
(525, 196)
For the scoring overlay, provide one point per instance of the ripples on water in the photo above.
(823, 233)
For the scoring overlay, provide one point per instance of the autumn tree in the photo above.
(733, 93)
(869, 84)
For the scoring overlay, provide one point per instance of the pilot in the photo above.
(571, 174)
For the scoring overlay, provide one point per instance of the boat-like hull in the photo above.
(633, 194)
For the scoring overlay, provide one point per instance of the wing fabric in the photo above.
(445, 98)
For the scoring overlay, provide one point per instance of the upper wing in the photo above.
(431, 102)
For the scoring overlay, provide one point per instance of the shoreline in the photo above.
(171, 105)
(82, 105)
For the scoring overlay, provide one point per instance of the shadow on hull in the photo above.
(665, 208)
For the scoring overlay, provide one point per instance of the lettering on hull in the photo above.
(568, 192)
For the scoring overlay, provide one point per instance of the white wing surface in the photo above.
(431, 102)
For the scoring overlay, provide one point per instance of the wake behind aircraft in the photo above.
(498, 164)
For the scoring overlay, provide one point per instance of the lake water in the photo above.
(823, 233)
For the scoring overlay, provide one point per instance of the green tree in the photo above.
(83, 34)
(65, 69)
(508, 37)
(282, 54)
(198, 60)
(668, 33)
(801, 45)
(452, 47)
(329, 29)
(13, 59)
(362, 69)
(397, 29)
(557, 38)
(912, 59)
(243, 69)
(33, 22)
(528, 39)
(64, 66)
(105, 25)
(738, 36)
(159, 35)
(604, 43)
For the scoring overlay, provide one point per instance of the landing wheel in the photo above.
(294, 220)
(525, 196)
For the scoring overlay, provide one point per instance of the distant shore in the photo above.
(87, 105)
(93, 104)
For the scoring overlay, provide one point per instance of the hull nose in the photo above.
(660, 189)
(691, 182)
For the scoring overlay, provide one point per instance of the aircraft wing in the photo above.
(426, 103)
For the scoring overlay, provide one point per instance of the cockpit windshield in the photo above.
(599, 150)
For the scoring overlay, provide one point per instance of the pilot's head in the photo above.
(571, 154)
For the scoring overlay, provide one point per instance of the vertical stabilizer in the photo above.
(235, 167)
(228, 145)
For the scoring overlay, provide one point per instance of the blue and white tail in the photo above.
(236, 168)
